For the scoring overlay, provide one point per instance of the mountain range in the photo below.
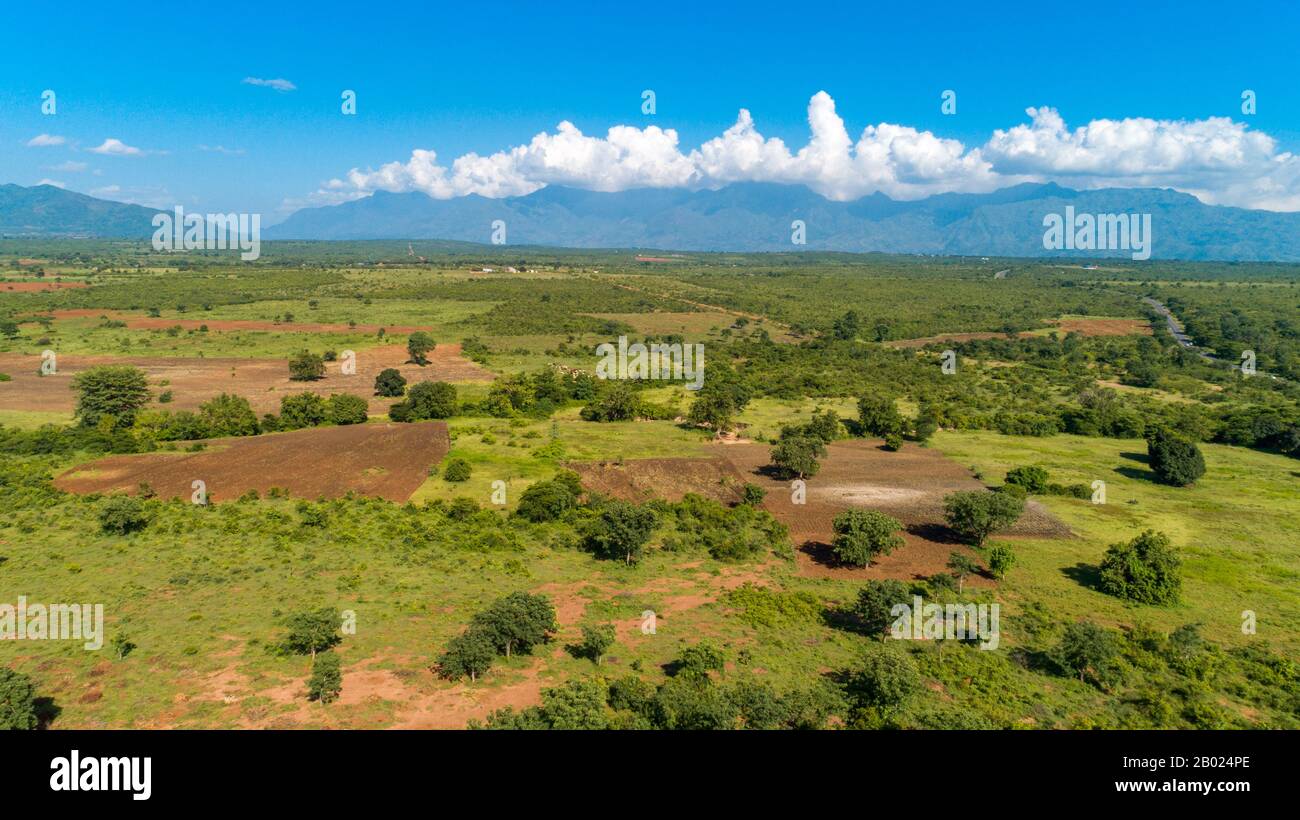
(739, 217)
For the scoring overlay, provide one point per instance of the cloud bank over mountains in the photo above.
(1220, 161)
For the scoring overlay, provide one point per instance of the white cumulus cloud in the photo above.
(116, 148)
(1216, 159)
(45, 141)
(279, 84)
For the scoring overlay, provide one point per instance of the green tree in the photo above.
(302, 410)
(596, 641)
(1089, 651)
(861, 535)
(879, 416)
(961, 566)
(389, 383)
(797, 456)
(457, 469)
(326, 681)
(431, 400)
(1033, 479)
(110, 390)
(616, 402)
(884, 679)
(306, 366)
(17, 701)
(468, 654)
(313, 631)
(977, 514)
(228, 415)
(1175, 460)
(122, 515)
(518, 621)
(875, 603)
(1144, 570)
(345, 408)
(621, 530)
(714, 409)
(418, 344)
(697, 661)
(1001, 560)
(546, 501)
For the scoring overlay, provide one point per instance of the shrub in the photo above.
(431, 400)
(875, 603)
(1001, 560)
(17, 701)
(457, 469)
(122, 515)
(893, 442)
(861, 535)
(1089, 651)
(228, 415)
(546, 501)
(1033, 479)
(752, 494)
(345, 408)
(306, 367)
(390, 383)
(885, 679)
(1175, 460)
(1144, 570)
(302, 410)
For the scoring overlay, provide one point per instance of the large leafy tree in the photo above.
(1174, 459)
(313, 631)
(621, 530)
(418, 344)
(306, 367)
(879, 416)
(518, 621)
(390, 382)
(875, 604)
(861, 535)
(468, 654)
(1089, 651)
(977, 514)
(110, 390)
(797, 456)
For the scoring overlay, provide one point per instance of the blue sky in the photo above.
(473, 78)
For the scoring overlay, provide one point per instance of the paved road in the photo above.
(1177, 331)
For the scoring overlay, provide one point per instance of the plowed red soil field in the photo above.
(908, 485)
(385, 460)
(263, 382)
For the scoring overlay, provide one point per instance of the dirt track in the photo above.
(385, 460)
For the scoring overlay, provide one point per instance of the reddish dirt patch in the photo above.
(1083, 326)
(39, 287)
(669, 478)
(385, 460)
(137, 322)
(263, 382)
(908, 485)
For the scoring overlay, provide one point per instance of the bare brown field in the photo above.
(669, 478)
(40, 287)
(909, 485)
(387, 460)
(1081, 325)
(137, 322)
(263, 382)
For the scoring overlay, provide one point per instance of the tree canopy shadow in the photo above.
(1086, 575)
(1137, 475)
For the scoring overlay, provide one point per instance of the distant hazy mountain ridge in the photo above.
(740, 217)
